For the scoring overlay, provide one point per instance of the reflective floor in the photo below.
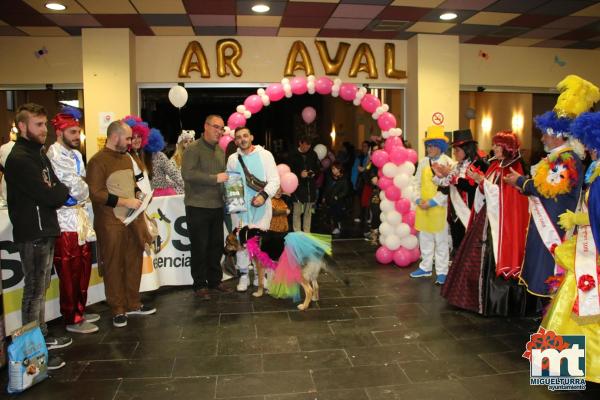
(383, 337)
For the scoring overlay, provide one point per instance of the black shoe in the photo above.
(202, 294)
(120, 320)
(55, 362)
(143, 310)
(58, 342)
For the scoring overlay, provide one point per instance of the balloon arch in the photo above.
(398, 239)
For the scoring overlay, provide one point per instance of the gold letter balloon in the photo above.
(291, 65)
(224, 61)
(201, 65)
(363, 51)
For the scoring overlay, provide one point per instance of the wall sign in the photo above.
(229, 51)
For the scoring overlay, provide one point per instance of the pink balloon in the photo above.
(411, 155)
(380, 172)
(398, 155)
(383, 255)
(369, 103)
(253, 103)
(224, 141)
(283, 169)
(402, 205)
(298, 84)
(275, 91)
(413, 231)
(385, 182)
(402, 257)
(348, 91)
(386, 121)
(392, 193)
(326, 163)
(236, 120)
(414, 254)
(391, 142)
(289, 183)
(409, 218)
(323, 85)
(309, 114)
(379, 158)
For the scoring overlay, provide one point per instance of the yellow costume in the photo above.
(560, 317)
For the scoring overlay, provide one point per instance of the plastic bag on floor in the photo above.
(27, 358)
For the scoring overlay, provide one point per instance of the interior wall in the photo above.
(501, 107)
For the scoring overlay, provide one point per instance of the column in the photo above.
(433, 85)
(109, 83)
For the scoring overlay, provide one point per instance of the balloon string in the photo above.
(180, 125)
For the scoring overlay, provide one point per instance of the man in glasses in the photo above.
(203, 172)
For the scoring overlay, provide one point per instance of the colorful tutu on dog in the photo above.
(300, 248)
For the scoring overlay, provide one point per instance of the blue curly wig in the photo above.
(439, 143)
(550, 121)
(586, 128)
(156, 141)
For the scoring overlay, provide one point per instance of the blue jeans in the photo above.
(36, 261)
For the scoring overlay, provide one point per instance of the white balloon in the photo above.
(410, 242)
(392, 242)
(390, 170)
(386, 205)
(383, 217)
(241, 108)
(321, 151)
(386, 229)
(401, 181)
(402, 230)
(385, 134)
(260, 91)
(394, 218)
(382, 195)
(247, 114)
(178, 96)
(385, 108)
(409, 193)
(407, 168)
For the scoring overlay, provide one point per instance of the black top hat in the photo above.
(461, 137)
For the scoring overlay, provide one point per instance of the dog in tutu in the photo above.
(296, 259)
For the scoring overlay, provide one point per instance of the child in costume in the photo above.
(575, 309)
(279, 221)
(431, 210)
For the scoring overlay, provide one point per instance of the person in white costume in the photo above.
(258, 170)
(72, 254)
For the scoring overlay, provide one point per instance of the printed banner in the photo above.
(168, 266)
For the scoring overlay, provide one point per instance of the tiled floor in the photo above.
(383, 337)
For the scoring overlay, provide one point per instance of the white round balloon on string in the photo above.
(178, 96)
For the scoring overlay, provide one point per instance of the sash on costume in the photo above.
(493, 210)
(545, 227)
(585, 264)
(460, 207)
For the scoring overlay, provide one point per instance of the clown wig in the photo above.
(439, 143)
(508, 141)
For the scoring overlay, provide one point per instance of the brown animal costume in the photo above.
(110, 176)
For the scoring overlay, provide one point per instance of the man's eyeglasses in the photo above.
(217, 127)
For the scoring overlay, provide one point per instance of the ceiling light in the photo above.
(56, 6)
(260, 8)
(449, 16)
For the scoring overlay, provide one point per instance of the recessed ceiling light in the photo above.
(449, 16)
(56, 6)
(260, 8)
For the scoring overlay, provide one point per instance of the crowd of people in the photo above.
(501, 238)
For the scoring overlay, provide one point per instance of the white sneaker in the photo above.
(91, 317)
(243, 283)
